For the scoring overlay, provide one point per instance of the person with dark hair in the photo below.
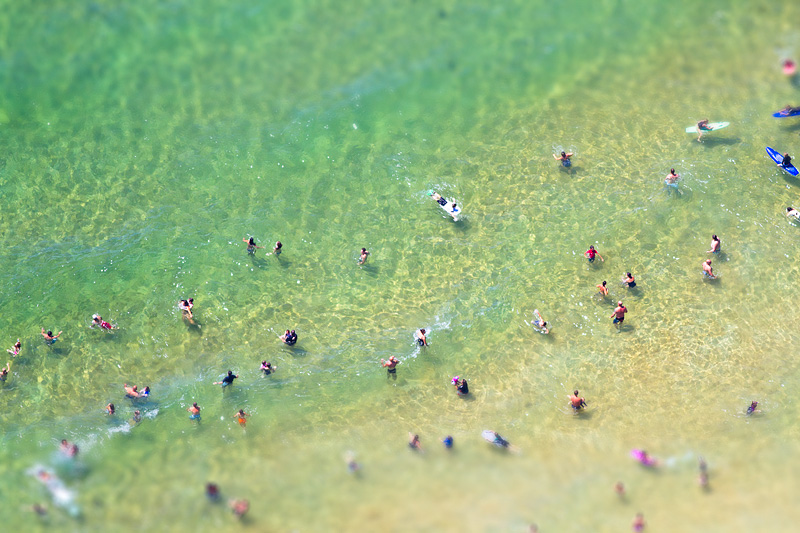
(363, 258)
(212, 492)
(186, 308)
(629, 281)
(414, 442)
(564, 158)
(591, 253)
(4, 371)
(277, 249)
(110, 409)
(69, 449)
(241, 417)
(251, 245)
(227, 380)
(603, 289)
(49, 338)
(14, 350)
(194, 412)
(716, 245)
(672, 177)
(753, 408)
(462, 389)
(290, 337)
(419, 335)
(792, 212)
(786, 161)
(267, 368)
(448, 442)
(577, 402)
(701, 127)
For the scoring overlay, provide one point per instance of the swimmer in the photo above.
(702, 480)
(290, 337)
(500, 441)
(564, 158)
(672, 177)
(788, 110)
(452, 210)
(619, 488)
(227, 380)
(363, 258)
(14, 350)
(462, 388)
(267, 368)
(110, 409)
(251, 245)
(69, 449)
(707, 270)
(419, 335)
(97, 320)
(352, 465)
(753, 408)
(186, 308)
(715, 245)
(786, 161)
(577, 402)
(701, 127)
(603, 289)
(195, 412)
(619, 313)
(638, 523)
(137, 416)
(145, 393)
(628, 280)
(539, 322)
(414, 442)
(239, 507)
(448, 442)
(212, 492)
(391, 366)
(792, 212)
(49, 338)
(276, 250)
(241, 417)
(4, 372)
(131, 392)
(591, 253)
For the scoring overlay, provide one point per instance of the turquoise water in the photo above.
(142, 143)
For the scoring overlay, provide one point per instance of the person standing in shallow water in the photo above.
(603, 289)
(577, 402)
(707, 270)
(363, 258)
(49, 338)
(251, 245)
(14, 350)
(420, 336)
(194, 412)
(277, 249)
(619, 313)
(391, 366)
(716, 245)
(591, 253)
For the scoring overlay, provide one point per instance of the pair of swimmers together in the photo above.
(252, 247)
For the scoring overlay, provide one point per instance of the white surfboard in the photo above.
(711, 126)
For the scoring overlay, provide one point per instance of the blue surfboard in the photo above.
(777, 157)
(781, 114)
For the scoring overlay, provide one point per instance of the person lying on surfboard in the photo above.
(788, 110)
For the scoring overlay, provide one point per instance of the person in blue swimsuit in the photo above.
(564, 158)
(251, 245)
(195, 412)
(49, 338)
(448, 442)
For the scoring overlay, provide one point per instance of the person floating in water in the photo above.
(391, 366)
(702, 480)
(707, 270)
(638, 523)
(241, 417)
(603, 289)
(564, 158)
(716, 245)
(239, 507)
(792, 212)
(701, 127)
(276, 250)
(227, 380)
(194, 412)
(251, 245)
(363, 257)
(49, 338)
(788, 110)
(619, 313)
(186, 309)
(290, 337)
(414, 442)
(462, 388)
(539, 323)
(267, 368)
(499, 441)
(419, 335)
(753, 408)
(448, 442)
(786, 161)
(591, 253)
(577, 402)
(137, 416)
(450, 207)
(110, 409)
(97, 320)
(672, 178)
(69, 449)
(131, 392)
(14, 350)
(4, 372)
(145, 393)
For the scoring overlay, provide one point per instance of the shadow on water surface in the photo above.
(714, 141)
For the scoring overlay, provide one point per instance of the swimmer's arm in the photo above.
(570, 154)
(601, 257)
(556, 157)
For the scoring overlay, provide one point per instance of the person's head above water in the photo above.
(251, 241)
(672, 171)
(591, 246)
(563, 154)
(49, 333)
(230, 372)
(363, 250)
(714, 238)
(629, 275)
(789, 209)
(575, 392)
(604, 283)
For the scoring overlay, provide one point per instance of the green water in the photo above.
(141, 143)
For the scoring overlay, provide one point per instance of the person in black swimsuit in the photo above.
(787, 161)
(227, 380)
